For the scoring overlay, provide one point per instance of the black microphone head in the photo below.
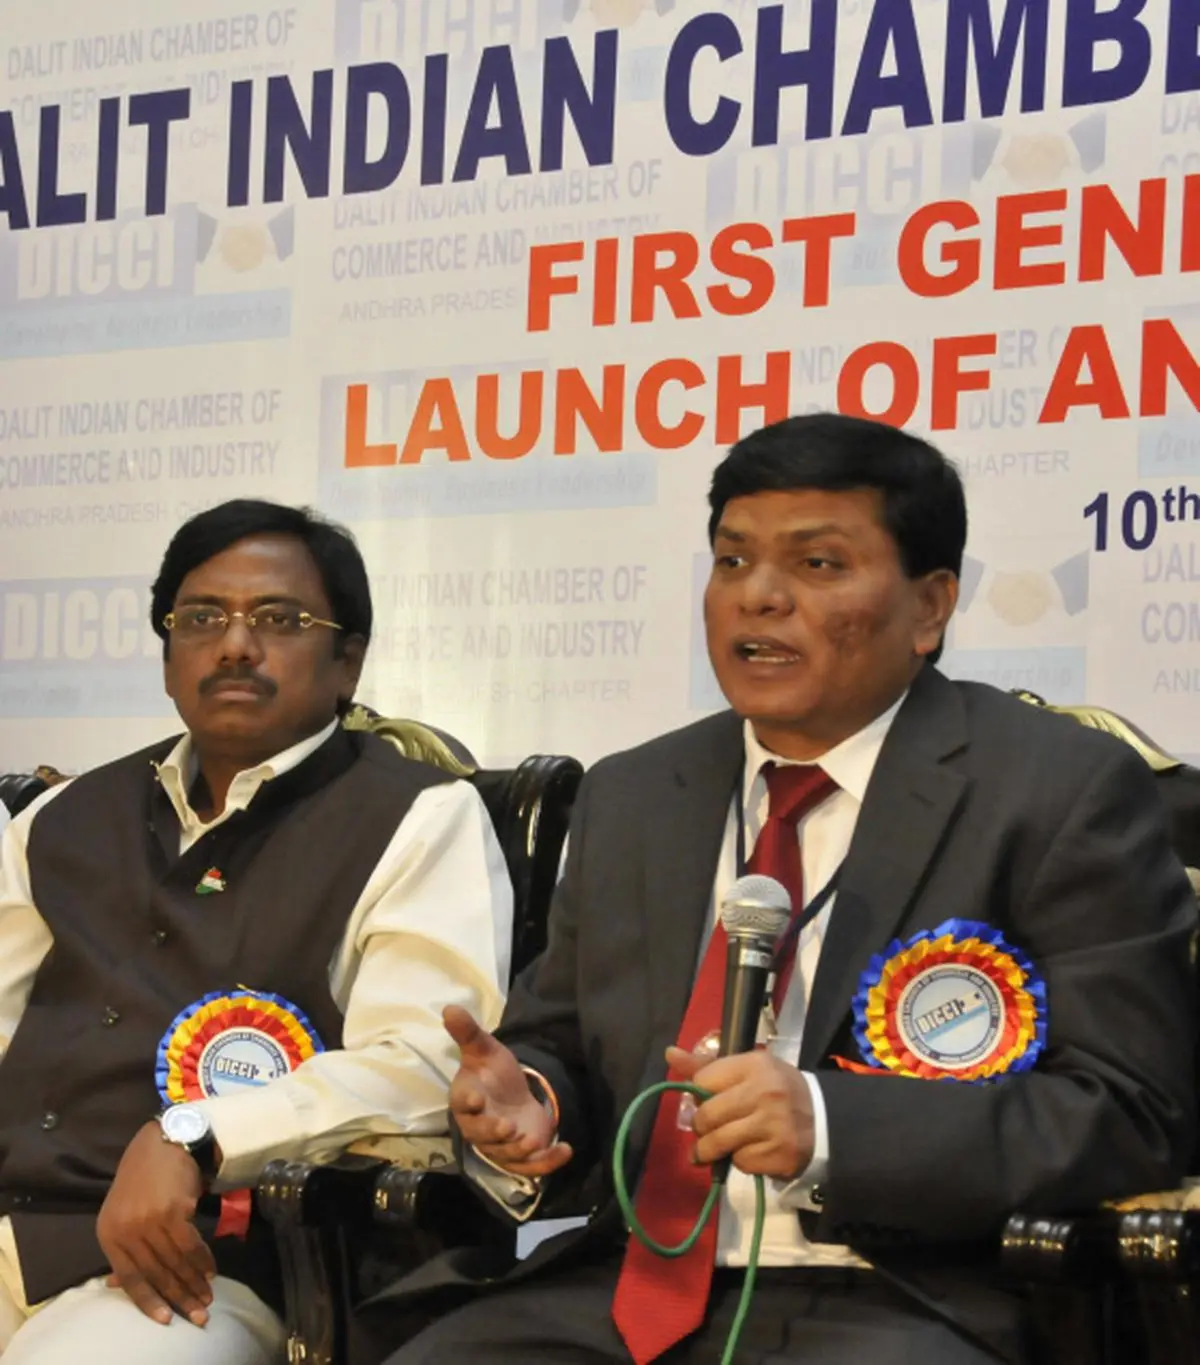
(757, 907)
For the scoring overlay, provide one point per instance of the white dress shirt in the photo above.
(824, 834)
(433, 926)
(5, 818)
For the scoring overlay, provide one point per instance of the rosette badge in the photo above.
(227, 1041)
(954, 1003)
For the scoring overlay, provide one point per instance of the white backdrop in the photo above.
(338, 270)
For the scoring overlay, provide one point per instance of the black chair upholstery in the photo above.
(18, 790)
(348, 1227)
(530, 806)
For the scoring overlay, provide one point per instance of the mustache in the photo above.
(239, 674)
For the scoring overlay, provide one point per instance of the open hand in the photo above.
(760, 1113)
(494, 1108)
(146, 1231)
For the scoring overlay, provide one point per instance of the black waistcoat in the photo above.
(134, 944)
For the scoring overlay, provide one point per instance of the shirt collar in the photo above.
(849, 763)
(178, 771)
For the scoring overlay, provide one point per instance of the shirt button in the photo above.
(49, 1120)
(110, 1017)
(816, 1196)
(158, 937)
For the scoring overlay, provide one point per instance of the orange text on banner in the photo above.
(677, 402)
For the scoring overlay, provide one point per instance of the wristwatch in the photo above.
(186, 1127)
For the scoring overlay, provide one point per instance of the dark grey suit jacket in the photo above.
(981, 807)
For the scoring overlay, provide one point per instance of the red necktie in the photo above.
(660, 1301)
(793, 791)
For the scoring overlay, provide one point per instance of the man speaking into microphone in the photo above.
(982, 1000)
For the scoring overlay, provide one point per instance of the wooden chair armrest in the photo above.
(1160, 1243)
(1062, 1250)
(310, 1208)
(438, 1206)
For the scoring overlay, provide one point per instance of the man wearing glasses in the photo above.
(227, 948)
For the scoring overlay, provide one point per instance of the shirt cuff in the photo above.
(247, 1128)
(518, 1195)
(803, 1192)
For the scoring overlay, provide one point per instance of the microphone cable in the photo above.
(714, 1193)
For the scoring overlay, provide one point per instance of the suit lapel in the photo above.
(910, 804)
(689, 809)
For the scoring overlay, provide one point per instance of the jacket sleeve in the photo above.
(541, 1020)
(1109, 919)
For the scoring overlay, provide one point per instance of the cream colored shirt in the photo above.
(432, 927)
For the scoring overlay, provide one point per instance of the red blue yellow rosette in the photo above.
(954, 1003)
(227, 1041)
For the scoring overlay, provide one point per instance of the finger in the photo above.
(474, 1042)
(516, 1140)
(709, 1074)
(543, 1163)
(197, 1255)
(466, 1097)
(520, 1149)
(683, 1063)
(181, 1251)
(729, 1139)
(769, 1159)
(205, 1259)
(474, 1131)
(139, 1290)
(726, 1106)
(726, 1072)
(484, 1130)
(480, 1133)
(169, 1273)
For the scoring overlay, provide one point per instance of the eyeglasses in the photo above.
(203, 622)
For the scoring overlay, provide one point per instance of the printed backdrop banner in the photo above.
(496, 282)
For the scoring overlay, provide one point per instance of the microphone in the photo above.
(754, 914)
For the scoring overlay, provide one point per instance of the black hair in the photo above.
(332, 547)
(924, 509)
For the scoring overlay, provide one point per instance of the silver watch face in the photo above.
(185, 1125)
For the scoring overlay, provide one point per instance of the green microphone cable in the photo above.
(659, 1249)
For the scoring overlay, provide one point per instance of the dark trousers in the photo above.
(796, 1318)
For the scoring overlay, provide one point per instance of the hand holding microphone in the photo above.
(760, 1114)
